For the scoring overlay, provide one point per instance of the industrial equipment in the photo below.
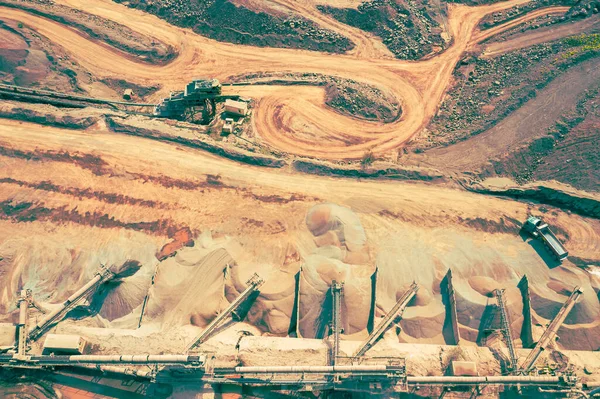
(102, 275)
(551, 331)
(538, 229)
(196, 104)
(24, 302)
(42, 360)
(65, 344)
(389, 318)
(253, 284)
(337, 290)
(463, 368)
(505, 328)
(228, 126)
(239, 108)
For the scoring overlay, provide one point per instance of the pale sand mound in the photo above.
(333, 225)
(54, 268)
(318, 273)
(484, 285)
(339, 254)
(124, 293)
(272, 310)
(189, 287)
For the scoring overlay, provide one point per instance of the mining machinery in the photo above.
(253, 284)
(551, 330)
(24, 302)
(101, 276)
(505, 328)
(541, 231)
(196, 104)
(389, 318)
(337, 291)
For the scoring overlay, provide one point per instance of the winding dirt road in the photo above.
(293, 120)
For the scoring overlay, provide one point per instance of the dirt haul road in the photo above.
(291, 120)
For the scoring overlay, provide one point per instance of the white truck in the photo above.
(540, 230)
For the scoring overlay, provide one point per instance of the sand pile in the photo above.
(189, 287)
(54, 268)
(338, 233)
(341, 255)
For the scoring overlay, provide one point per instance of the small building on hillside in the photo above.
(236, 107)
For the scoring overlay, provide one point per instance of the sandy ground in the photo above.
(317, 130)
(63, 205)
(73, 199)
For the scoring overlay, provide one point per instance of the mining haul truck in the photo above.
(196, 104)
(540, 230)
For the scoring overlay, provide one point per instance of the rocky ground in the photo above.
(224, 21)
(409, 29)
(488, 89)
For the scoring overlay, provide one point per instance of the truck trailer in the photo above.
(540, 230)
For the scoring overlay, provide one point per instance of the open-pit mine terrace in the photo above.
(182, 233)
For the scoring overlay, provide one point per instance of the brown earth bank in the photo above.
(550, 137)
(103, 30)
(487, 90)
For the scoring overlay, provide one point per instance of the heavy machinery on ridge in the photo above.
(196, 104)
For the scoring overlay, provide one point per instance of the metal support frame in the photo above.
(23, 302)
(526, 330)
(389, 318)
(337, 291)
(102, 275)
(452, 307)
(551, 331)
(505, 327)
(253, 284)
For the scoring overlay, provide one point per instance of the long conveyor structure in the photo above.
(551, 331)
(253, 284)
(58, 98)
(505, 326)
(198, 368)
(337, 291)
(102, 275)
(389, 318)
